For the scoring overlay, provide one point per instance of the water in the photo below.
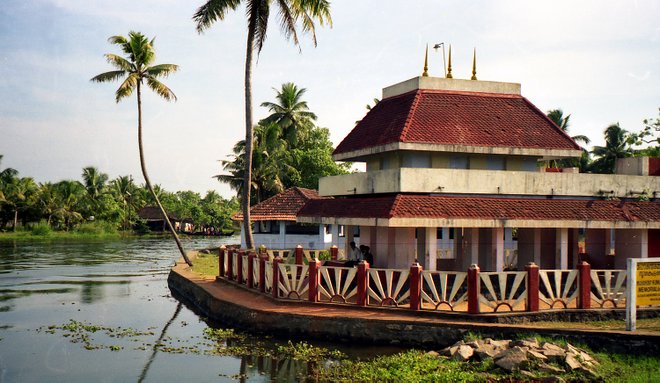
(115, 284)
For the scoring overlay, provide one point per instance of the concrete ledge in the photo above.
(224, 302)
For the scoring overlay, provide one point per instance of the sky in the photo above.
(596, 60)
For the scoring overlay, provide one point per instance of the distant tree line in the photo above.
(66, 204)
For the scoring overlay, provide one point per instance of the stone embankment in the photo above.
(529, 357)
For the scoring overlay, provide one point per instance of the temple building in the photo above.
(454, 177)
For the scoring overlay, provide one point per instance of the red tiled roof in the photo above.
(282, 207)
(450, 207)
(456, 118)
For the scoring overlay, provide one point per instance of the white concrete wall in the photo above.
(485, 182)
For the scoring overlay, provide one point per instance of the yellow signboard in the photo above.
(648, 283)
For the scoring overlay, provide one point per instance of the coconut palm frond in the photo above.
(161, 89)
(108, 76)
(162, 70)
(212, 11)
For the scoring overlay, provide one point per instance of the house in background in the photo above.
(452, 166)
(274, 223)
(154, 219)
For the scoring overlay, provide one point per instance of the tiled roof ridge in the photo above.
(409, 117)
(395, 205)
(552, 123)
(305, 192)
(470, 93)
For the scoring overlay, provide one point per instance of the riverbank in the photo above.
(239, 307)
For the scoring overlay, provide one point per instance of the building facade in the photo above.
(453, 178)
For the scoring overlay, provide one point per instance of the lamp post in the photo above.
(444, 61)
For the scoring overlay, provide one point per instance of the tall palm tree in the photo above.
(257, 11)
(18, 193)
(69, 193)
(137, 69)
(94, 182)
(616, 146)
(290, 112)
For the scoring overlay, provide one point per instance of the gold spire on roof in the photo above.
(474, 65)
(426, 62)
(449, 66)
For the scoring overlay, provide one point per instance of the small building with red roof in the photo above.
(453, 178)
(275, 226)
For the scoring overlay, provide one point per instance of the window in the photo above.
(458, 162)
(301, 228)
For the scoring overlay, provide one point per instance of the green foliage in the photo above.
(96, 228)
(41, 229)
(409, 366)
(308, 353)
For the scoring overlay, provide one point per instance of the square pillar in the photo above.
(561, 249)
(282, 236)
(348, 234)
(431, 248)
(630, 243)
(472, 256)
(497, 248)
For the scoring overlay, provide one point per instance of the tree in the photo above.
(17, 195)
(290, 112)
(136, 68)
(563, 122)
(616, 146)
(94, 182)
(69, 194)
(257, 11)
(649, 135)
(126, 192)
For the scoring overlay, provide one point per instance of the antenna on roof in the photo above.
(426, 62)
(448, 75)
(444, 60)
(474, 65)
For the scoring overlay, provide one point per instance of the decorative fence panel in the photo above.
(338, 284)
(443, 290)
(506, 289)
(558, 289)
(244, 269)
(234, 266)
(268, 266)
(293, 281)
(389, 287)
(608, 288)
(255, 272)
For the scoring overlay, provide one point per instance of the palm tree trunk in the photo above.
(15, 218)
(247, 174)
(148, 182)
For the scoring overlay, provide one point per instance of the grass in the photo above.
(206, 264)
(648, 325)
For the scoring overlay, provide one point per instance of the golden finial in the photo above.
(449, 66)
(426, 62)
(474, 65)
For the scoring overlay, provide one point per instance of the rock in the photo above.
(544, 367)
(552, 379)
(501, 344)
(554, 355)
(486, 351)
(463, 353)
(433, 354)
(550, 346)
(446, 351)
(512, 359)
(475, 343)
(536, 355)
(528, 374)
(587, 358)
(587, 371)
(529, 343)
(572, 362)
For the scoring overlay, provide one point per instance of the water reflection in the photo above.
(158, 342)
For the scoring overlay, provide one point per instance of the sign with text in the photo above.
(648, 283)
(643, 287)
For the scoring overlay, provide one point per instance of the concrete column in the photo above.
(457, 250)
(320, 243)
(380, 250)
(537, 246)
(334, 231)
(282, 236)
(404, 247)
(348, 234)
(497, 249)
(431, 255)
(366, 234)
(473, 245)
(561, 249)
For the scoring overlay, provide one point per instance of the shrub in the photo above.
(41, 229)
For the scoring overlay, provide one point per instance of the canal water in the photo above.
(101, 311)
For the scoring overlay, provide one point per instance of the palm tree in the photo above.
(563, 122)
(291, 12)
(616, 146)
(557, 116)
(48, 200)
(290, 112)
(69, 193)
(94, 182)
(136, 69)
(268, 164)
(125, 191)
(18, 194)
